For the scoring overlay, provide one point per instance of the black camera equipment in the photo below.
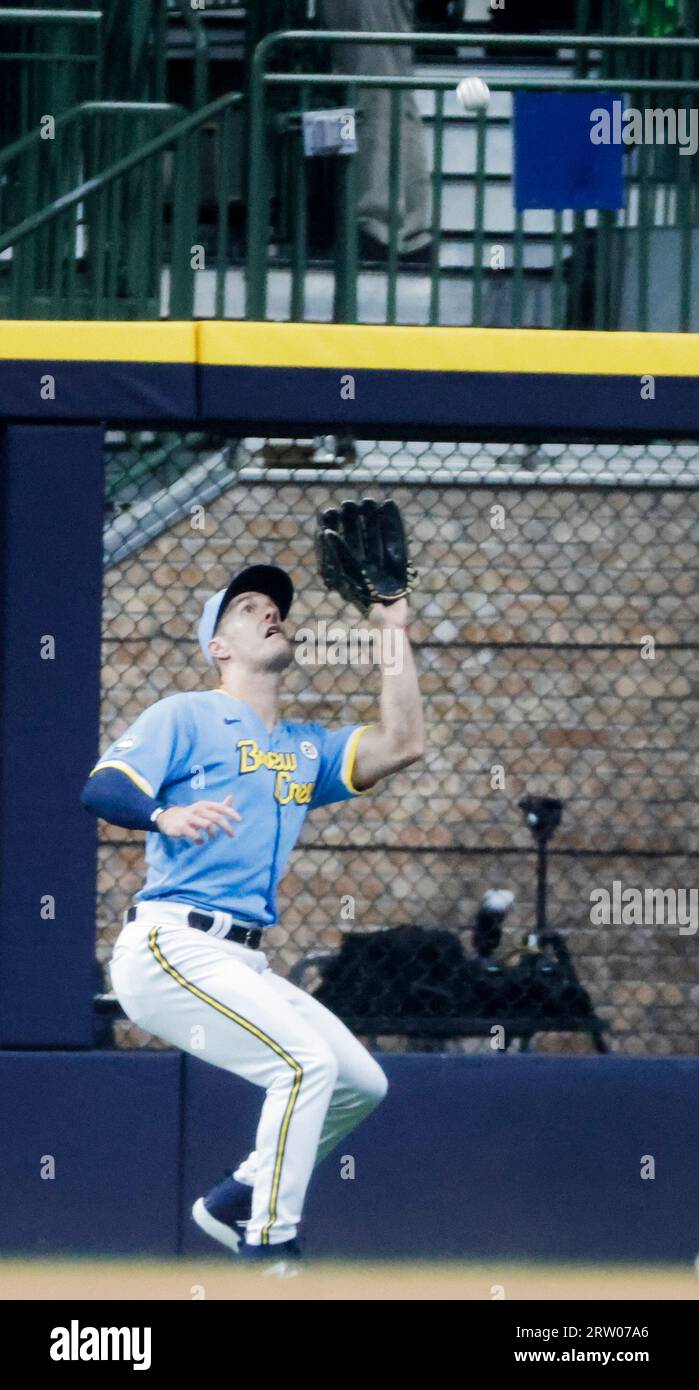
(417, 981)
(545, 974)
(543, 816)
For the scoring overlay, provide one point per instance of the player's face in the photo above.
(253, 630)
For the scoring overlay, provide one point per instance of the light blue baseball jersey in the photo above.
(206, 745)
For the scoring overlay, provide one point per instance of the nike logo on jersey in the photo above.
(231, 721)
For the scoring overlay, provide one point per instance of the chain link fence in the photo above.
(555, 632)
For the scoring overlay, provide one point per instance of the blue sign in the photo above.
(560, 161)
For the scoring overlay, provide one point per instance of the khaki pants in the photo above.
(373, 156)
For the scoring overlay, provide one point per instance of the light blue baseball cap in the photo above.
(254, 579)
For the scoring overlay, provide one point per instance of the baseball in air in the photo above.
(473, 93)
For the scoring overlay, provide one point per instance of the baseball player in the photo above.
(222, 782)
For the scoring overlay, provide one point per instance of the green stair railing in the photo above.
(106, 240)
(38, 173)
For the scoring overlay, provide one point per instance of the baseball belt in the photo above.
(203, 921)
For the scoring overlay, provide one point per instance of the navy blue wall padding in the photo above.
(111, 1123)
(556, 163)
(298, 398)
(531, 1157)
(52, 515)
(468, 1157)
(149, 391)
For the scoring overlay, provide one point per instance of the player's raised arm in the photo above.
(398, 739)
(362, 553)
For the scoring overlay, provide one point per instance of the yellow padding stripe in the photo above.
(263, 1037)
(349, 759)
(349, 346)
(135, 777)
(85, 341)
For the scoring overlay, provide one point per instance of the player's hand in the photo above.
(199, 820)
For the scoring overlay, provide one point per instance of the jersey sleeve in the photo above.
(335, 780)
(155, 749)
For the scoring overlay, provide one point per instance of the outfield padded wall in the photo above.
(51, 492)
(484, 1157)
(295, 378)
(426, 383)
(97, 371)
(90, 1153)
(505, 1157)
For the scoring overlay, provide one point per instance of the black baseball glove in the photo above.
(363, 554)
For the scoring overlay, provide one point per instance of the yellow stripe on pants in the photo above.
(269, 1042)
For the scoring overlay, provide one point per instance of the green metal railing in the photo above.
(200, 45)
(135, 50)
(64, 55)
(53, 60)
(89, 219)
(104, 242)
(657, 195)
(36, 171)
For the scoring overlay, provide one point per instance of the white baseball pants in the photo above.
(223, 1003)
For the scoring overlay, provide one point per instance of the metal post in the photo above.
(394, 202)
(346, 253)
(437, 173)
(258, 193)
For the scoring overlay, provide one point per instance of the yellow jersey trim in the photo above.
(349, 759)
(269, 1042)
(135, 777)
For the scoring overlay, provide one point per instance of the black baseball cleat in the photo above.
(224, 1212)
